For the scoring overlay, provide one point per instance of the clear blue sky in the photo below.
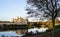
(12, 8)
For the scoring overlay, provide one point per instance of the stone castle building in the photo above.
(20, 20)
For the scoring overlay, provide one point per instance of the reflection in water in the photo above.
(10, 34)
(21, 31)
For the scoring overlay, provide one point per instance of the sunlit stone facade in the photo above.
(20, 20)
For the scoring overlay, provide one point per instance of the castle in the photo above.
(20, 20)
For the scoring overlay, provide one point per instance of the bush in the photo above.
(58, 26)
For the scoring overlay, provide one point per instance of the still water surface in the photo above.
(14, 34)
(10, 34)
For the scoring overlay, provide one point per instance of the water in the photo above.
(39, 30)
(14, 34)
(10, 34)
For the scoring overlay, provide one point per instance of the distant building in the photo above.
(20, 20)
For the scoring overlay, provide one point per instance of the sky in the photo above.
(12, 8)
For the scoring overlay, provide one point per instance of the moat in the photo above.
(10, 34)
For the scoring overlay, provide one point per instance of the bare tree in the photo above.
(51, 9)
